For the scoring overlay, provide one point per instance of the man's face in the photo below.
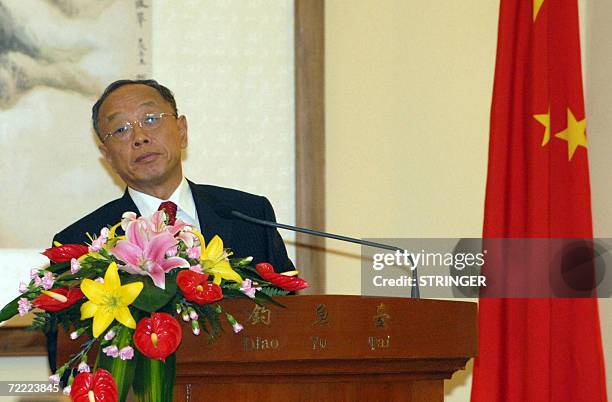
(148, 161)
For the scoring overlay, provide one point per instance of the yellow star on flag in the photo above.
(574, 134)
(544, 119)
(537, 4)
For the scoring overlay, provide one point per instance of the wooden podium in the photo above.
(327, 348)
(331, 348)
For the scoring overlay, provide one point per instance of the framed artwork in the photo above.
(56, 56)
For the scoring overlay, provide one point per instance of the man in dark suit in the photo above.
(142, 138)
(245, 239)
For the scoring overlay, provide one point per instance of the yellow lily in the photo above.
(112, 237)
(109, 300)
(214, 260)
(111, 232)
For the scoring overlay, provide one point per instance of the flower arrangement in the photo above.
(125, 294)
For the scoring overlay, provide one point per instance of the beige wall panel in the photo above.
(230, 64)
(597, 72)
(408, 99)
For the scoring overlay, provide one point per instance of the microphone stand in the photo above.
(414, 291)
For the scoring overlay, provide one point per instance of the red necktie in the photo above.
(170, 209)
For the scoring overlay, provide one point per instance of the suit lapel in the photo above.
(127, 204)
(210, 222)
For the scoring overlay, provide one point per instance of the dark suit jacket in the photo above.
(244, 238)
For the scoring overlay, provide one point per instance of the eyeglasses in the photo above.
(148, 122)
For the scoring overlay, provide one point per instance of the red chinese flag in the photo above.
(538, 186)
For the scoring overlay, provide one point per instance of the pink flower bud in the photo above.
(75, 266)
(194, 252)
(195, 328)
(104, 233)
(97, 244)
(126, 219)
(83, 368)
(126, 353)
(237, 327)
(24, 305)
(111, 351)
(196, 268)
(247, 288)
(47, 281)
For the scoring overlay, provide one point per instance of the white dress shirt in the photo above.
(182, 197)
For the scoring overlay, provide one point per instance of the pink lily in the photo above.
(156, 224)
(127, 218)
(145, 256)
(186, 236)
(178, 227)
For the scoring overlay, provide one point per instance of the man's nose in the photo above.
(140, 136)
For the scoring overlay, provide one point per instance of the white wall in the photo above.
(230, 64)
(408, 95)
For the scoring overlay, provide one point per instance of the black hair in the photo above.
(163, 91)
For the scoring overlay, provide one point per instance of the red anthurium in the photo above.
(65, 252)
(57, 299)
(197, 288)
(159, 336)
(284, 281)
(98, 387)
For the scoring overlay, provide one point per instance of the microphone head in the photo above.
(223, 211)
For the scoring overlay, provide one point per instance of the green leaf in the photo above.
(153, 298)
(262, 298)
(58, 268)
(241, 262)
(273, 292)
(230, 293)
(68, 316)
(85, 272)
(154, 379)
(104, 253)
(10, 310)
(208, 314)
(251, 273)
(44, 321)
(122, 370)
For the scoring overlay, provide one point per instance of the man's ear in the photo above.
(106, 154)
(181, 122)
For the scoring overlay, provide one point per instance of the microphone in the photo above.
(229, 213)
